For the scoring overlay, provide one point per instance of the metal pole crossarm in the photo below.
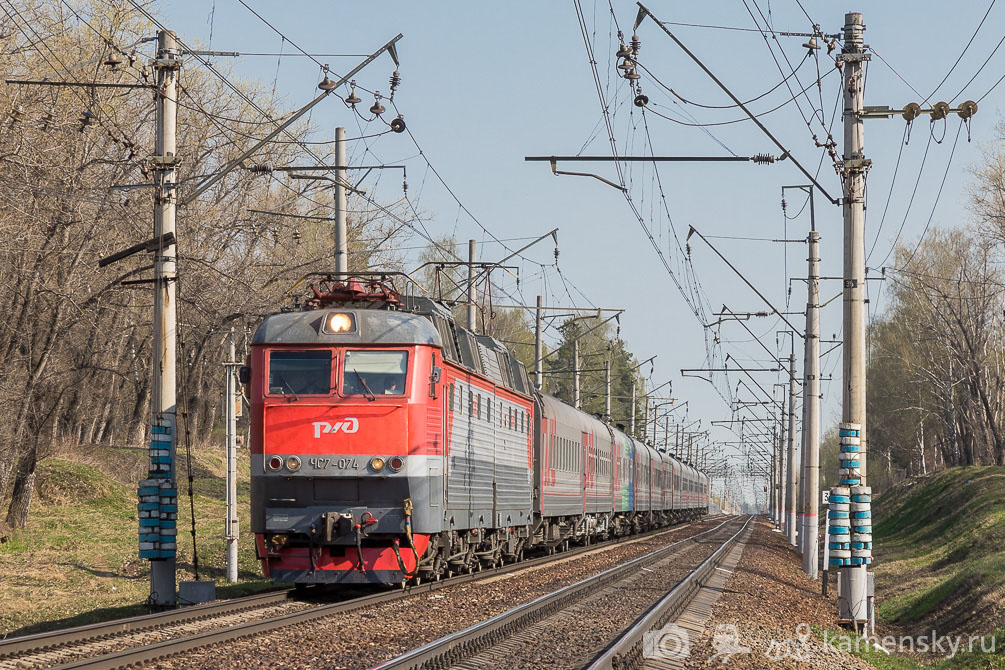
(201, 188)
(153, 244)
(553, 233)
(338, 182)
(913, 110)
(310, 168)
(82, 84)
(598, 310)
(683, 370)
(643, 10)
(695, 231)
(582, 335)
(760, 159)
(292, 216)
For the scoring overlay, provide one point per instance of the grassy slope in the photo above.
(76, 563)
(940, 548)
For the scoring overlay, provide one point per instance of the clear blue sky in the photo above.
(485, 84)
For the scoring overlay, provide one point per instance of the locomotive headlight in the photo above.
(395, 463)
(376, 463)
(275, 463)
(293, 463)
(339, 323)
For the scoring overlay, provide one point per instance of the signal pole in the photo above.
(811, 409)
(165, 413)
(852, 606)
(472, 291)
(341, 234)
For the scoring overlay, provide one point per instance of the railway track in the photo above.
(140, 639)
(573, 625)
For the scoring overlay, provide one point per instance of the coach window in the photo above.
(301, 372)
(374, 373)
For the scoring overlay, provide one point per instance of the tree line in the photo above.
(936, 367)
(75, 163)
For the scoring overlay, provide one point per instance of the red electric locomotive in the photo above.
(389, 443)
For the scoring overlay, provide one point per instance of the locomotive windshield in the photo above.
(374, 372)
(300, 372)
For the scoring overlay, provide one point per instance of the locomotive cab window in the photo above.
(296, 373)
(374, 373)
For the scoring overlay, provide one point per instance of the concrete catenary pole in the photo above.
(575, 374)
(165, 412)
(792, 473)
(607, 387)
(472, 291)
(631, 419)
(811, 411)
(853, 602)
(230, 402)
(341, 234)
(538, 346)
(783, 491)
(772, 498)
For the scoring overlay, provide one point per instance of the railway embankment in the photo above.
(940, 562)
(77, 563)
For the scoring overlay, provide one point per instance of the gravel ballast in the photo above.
(766, 612)
(374, 634)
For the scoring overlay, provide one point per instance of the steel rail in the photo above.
(143, 622)
(15, 648)
(626, 650)
(455, 647)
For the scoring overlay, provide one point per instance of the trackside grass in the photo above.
(77, 563)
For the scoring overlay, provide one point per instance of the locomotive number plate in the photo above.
(336, 463)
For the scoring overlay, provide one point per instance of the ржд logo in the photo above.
(347, 425)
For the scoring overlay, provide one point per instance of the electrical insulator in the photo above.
(326, 84)
(967, 109)
(632, 75)
(377, 109)
(940, 110)
(48, 118)
(16, 114)
(261, 168)
(397, 123)
(762, 159)
(623, 51)
(395, 81)
(641, 100)
(636, 43)
(87, 119)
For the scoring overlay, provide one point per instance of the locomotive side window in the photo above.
(300, 372)
(374, 373)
